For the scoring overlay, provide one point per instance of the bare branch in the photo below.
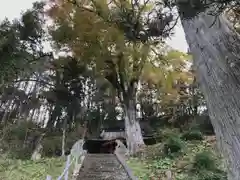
(173, 26)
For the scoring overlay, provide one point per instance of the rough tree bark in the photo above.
(126, 92)
(132, 126)
(133, 131)
(215, 47)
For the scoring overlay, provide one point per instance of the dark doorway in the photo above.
(95, 146)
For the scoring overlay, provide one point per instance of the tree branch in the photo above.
(173, 26)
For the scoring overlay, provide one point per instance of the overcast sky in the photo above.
(13, 8)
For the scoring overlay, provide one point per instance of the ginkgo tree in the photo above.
(171, 80)
(116, 39)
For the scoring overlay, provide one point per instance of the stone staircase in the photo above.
(102, 167)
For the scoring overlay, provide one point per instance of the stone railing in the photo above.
(76, 157)
(125, 166)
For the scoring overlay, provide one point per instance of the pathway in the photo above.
(102, 167)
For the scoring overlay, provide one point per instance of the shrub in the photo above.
(71, 138)
(173, 145)
(193, 135)
(18, 140)
(158, 122)
(204, 160)
(164, 134)
(52, 145)
(20, 131)
(206, 175)
(182, 122)
(211, 175)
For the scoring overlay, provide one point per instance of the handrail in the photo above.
(65, 171)
(69, 162)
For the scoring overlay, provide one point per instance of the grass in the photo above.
(13, 169)
(140, 168)
(150, 164)
(154, 164)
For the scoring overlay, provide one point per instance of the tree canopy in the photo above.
(106, 61)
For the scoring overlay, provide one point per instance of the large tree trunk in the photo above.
(132, 128)
(215, 49)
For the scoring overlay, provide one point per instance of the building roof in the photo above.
(112, 135)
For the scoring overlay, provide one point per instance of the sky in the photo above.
(13, 8)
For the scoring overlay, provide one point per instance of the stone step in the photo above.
(100, 156)
(102, 167)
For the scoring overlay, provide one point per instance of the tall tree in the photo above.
(215, 47)
(21, 54)
(117, 39)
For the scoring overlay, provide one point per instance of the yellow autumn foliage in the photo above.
(88, 31)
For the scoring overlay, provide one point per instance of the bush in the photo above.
(71, 138)
(173, 145)
(18, 140)
(211, 175)
(207, 175)
(182, 122)
(204, 160)
(52, 145)
(193, 135)
(158, 122)
(164, 134)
